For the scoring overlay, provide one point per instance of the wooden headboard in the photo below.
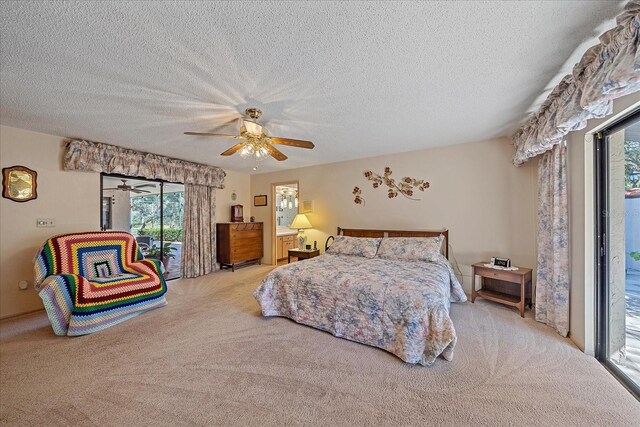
(357, 232)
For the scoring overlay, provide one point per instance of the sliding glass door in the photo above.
(172, 215)
(618, 258)
(150, 210)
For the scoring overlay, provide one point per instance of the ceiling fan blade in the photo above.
(144, 185)
(300, 143)
(233, 149)
(134, 190)
(275, 153)
(221, 135)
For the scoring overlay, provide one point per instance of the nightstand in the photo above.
(504, 291)
(302, 254)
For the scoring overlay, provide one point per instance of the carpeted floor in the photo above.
(209, 358)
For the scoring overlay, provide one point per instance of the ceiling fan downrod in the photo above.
(254, 113)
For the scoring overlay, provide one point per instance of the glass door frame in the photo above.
(602, 267)
(161, 194)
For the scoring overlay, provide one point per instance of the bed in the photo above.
(398, 302)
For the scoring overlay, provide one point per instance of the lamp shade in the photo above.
(300, 222)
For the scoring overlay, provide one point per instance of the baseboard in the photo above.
(26, 313)
(580, 346)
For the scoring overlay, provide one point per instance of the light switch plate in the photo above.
(45, 222)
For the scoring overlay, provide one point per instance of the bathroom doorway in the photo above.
(286, 199)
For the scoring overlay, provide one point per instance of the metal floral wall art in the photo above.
(358, 193)
(406, 186)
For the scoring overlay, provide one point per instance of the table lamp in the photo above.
(301, 222)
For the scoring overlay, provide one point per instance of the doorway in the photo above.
(618, 247)
(151, 210)
(285, 207)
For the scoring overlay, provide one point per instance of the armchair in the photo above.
(91, 281)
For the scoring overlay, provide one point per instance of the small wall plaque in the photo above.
(307, 206)
(19, 184)
(260, 200)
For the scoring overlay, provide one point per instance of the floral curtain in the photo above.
(608, 70)
(98, 157)
(199, 231)
(552, 289)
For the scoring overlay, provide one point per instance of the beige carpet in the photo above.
(209, 358)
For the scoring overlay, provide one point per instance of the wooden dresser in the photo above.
(238, 243)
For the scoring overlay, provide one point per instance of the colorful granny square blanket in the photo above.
(91, 281)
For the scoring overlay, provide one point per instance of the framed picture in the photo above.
(19, 184)
(260, 200)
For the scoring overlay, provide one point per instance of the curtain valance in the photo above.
(608, 70)
(98, 157)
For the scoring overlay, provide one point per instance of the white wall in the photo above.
(487, 203)
(72, 198)
(581, 202)
(240, 183)
(120, 209)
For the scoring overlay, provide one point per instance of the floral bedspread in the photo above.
(399, 306)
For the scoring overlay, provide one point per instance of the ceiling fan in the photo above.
(255, 141)
(134, 189)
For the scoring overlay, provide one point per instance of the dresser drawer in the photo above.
(242, 243)
(491, 273)
(243, 235)
(246, 226)
(246, 253)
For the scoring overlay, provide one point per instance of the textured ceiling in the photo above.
(358, 79)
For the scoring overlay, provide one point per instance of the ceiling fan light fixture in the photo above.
(261, 152)
(255, 142)
(247, 150)
(255, 148)
(253, 128)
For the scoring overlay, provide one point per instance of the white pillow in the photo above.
(411, 248)
(357, 246)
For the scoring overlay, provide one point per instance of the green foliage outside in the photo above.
(167, 250)
(173, 209)
(632, 164)
(145, 216)
(635, 255)
(170, 234)
(145, 211)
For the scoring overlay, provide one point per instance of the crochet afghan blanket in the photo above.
(91, 281)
